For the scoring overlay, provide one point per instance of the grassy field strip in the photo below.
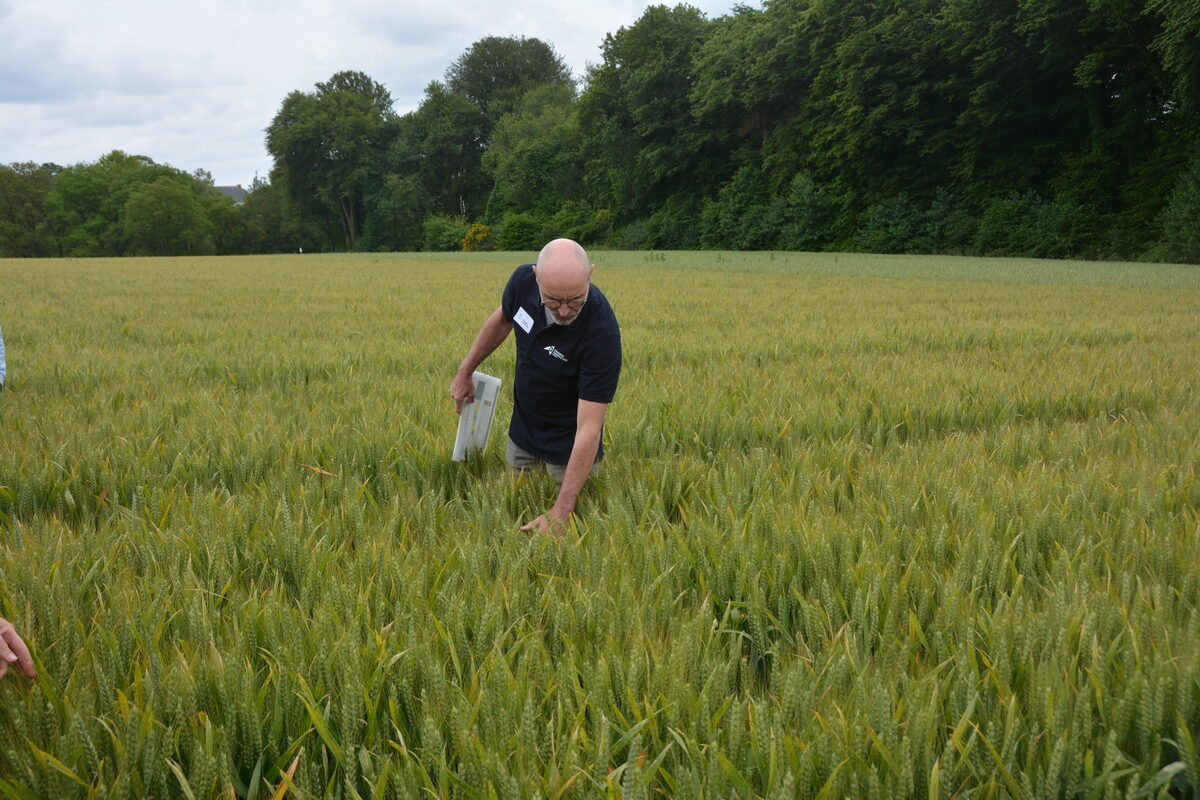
(864, 265)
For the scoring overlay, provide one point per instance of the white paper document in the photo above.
(475, 422)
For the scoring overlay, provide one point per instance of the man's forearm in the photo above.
(493, 333)
(579, 467)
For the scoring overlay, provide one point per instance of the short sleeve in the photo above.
(510, 300)
(601, 369)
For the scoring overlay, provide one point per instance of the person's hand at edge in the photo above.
(14, 651)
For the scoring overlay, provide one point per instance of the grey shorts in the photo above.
(520, 462)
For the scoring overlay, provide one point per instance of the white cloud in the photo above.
(195, 85)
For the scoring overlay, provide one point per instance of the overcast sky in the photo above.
(194, 84)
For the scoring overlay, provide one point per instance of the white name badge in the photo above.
(523, 319)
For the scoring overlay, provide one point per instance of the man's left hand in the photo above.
(552, 521)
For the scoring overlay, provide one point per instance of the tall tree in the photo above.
(397, 212)
(641, 144)
(496, 71)
(1178, 45)
(878, 116)
(328, 145)
(23, 190)
(227, 223)
(166, 218)
(751, 77)
(440, 144)
(275, 225)
(534, 157)
(84, 208)
(443, 141)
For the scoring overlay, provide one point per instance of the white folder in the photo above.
(475, 422)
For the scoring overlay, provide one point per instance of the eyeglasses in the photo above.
(555, 303)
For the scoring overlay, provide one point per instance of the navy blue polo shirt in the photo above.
(557, 366)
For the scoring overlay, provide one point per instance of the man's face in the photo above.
(565, 301)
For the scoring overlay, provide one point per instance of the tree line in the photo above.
(1048, 128)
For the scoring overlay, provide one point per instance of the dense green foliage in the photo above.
(1049, 128)
(129, 205)
(328, 145)
(925, 528)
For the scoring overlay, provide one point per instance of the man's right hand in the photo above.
(495, 329)
(462, 390)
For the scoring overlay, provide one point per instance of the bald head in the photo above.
(563, 260)
(563, 273)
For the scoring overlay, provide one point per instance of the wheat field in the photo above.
(869, 527)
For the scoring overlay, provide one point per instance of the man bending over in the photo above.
(567, 366)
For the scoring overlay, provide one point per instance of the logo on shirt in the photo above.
(552, 350)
